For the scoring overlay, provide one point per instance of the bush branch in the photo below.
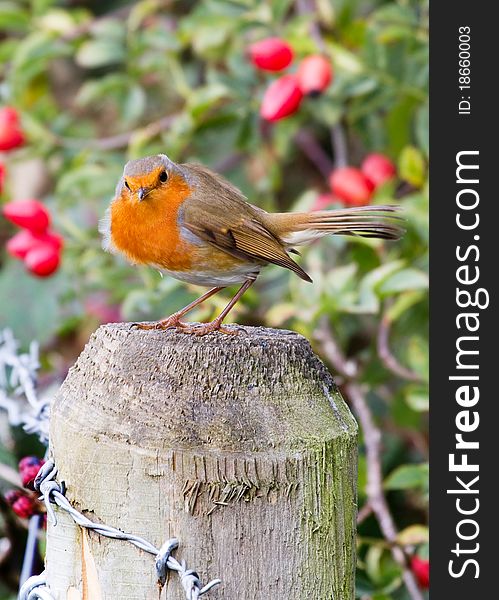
(339, 144)
(314, 152)
(386, 356)
(120, 140)
(307, 7)
(372, 440)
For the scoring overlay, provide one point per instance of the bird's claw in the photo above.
(147, 326)
(198, 329)
(201, 329)
(170, 322)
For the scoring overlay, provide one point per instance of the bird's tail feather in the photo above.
(383, 222)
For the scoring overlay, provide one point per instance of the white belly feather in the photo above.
(236, 275)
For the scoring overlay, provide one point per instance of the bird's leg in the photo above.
(174, 320)
(216, 324)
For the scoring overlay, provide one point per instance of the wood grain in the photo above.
(239, 446)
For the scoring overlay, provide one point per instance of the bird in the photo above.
(194, 225)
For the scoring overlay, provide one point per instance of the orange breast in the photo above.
(147, 232)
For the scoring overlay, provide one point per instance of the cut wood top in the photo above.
(262, 389)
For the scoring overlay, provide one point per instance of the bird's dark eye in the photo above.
(163, 176)
(126, 185)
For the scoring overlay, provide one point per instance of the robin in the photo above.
(192, 224)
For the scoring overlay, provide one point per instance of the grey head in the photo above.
(140, 169)
(141, 166)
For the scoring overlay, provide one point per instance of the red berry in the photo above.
(281, 99)
(421, 569)
(11, 135)
(20, 244)
(30, 214)
(271, 54)
(378, 168)
(25, 507)
(322, 201)
(12, 495)
(28, 470)
(2, 176)
(43, 260)
(351, 186)
(9, 116)
(24, 241)
(314, 74)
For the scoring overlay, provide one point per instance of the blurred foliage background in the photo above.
(97, 83)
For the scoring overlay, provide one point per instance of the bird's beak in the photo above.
(142, 193)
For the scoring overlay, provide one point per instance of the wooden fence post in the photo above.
(239, 446)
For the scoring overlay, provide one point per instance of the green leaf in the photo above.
(134, 104)
(413, 535)
(204, 98)
(395, 33)
(404, 280)
(395, 14)
(57, 21)
(411, 166)
(407, 477)
(382, 570)
(13, 17)
(417, 354)
(340, 278)
(37, 130)
(345, 60)
(87, 181)
(32, 56)
(41, 7)
(368, 297)
(140, 11)
(399, 125)
(96, 90)
(422, 128)
(404, 302)
(8, 48)
(363, 586)
(206, 32)
(280, 8)
(373, 562)
(376, 276)
(110, 30)
(417, 398)
(99, 53)
(356, 86)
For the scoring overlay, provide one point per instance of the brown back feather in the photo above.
(217, 212)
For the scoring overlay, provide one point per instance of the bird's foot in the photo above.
(200, 329)
(168, 323)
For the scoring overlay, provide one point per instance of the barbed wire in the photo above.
(18, 375)
(52, 492)
(20, 401)
(36, 588)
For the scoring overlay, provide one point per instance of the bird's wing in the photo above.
(234, 225)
